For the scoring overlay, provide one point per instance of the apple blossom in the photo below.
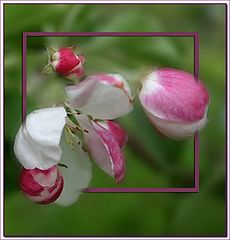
(40, 146)
(175, 102)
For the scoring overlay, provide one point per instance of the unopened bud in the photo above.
(66, 62)
(41, 186)
(175, 102)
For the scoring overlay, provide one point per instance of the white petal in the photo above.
(177, 130)
(37, 141)
(99, 99)
(78, 174)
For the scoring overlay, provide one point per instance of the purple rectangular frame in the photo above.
(195, 36)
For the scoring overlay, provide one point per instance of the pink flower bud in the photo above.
(175, 102)
(41, 186)
(66, 62)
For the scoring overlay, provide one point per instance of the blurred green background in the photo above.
(152, 160)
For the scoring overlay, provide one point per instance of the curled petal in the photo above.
(103, 148)
(117, 159)
(37, 141)
(78, 174)
(116, 130)
(103, 96)
(175, 102)
(41, 186)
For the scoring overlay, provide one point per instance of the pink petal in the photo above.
(174, 95)
(116, 80)
(114, 151)
(116, 130)
(103, 148)
(110, 79)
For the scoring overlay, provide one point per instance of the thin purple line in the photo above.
(226, 122)
(136, 2)
(196, 163)
(196, 136)
(24, 45)
(112, 34)
(196, 55)
(144, 190)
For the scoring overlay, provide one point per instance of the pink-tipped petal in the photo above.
(114, 150)
(101, 97)
(116, 130)
(110, 79)
(103, 148)
(115, 80)
(41, 186)
(175, 101)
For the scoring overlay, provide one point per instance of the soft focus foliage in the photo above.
(152, 160)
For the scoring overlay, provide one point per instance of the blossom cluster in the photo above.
(55, 145)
